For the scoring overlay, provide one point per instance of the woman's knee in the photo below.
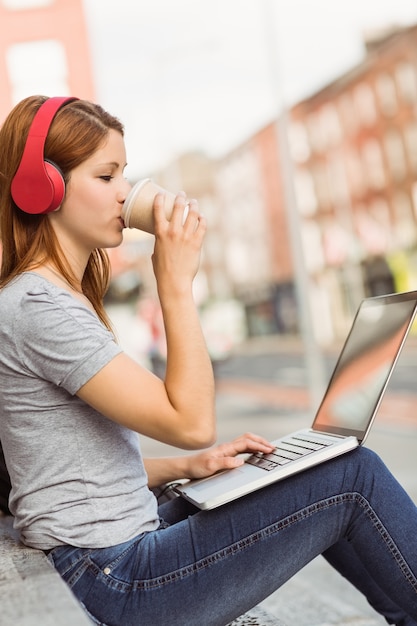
(366, 471)
(368, 457)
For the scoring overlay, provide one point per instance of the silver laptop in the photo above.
(345, 414)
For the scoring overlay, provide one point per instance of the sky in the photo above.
(203, 75)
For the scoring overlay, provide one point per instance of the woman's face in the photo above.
(90, 215)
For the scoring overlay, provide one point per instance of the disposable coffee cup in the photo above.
(137, 209)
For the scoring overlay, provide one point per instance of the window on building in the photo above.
(404, 223)
(364, 102)
(372, 225)
(387, 94)
(347, 113)
(406, 78)
(312, 246)
(321, 185)
(379, 210)
(298, 140)
(374, 165)
(354, 171)
(410, 140)
(337, 245)
(305, 193)
(315, 135)
(19, 5)
(330, 124)
(48, 73)
(394, 149)
(337, 176)
(323, 128)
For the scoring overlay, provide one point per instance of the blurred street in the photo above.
(262, 387)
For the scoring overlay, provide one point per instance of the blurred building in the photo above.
(354, 150)
(256, 247)
(44, 49)
(354, 144)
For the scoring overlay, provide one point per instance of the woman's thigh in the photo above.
(210, 566)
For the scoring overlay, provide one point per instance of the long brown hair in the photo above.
(77, 131)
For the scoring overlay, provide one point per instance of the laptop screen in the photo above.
(365, 364)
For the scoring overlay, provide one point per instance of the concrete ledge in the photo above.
(31, 592)
(257, 617)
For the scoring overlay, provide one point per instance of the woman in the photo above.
(72, 404)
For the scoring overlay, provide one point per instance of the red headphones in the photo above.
(38, 185)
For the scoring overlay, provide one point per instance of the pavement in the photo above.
(317, 595)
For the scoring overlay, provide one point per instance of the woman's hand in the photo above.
(178, 244)
(225, 456)
(203, 464)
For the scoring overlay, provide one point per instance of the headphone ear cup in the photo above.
(38, 186)
(39, 192)
(57, 182)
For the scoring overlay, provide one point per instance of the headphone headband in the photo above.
(38, 186)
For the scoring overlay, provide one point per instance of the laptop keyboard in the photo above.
(288, 449)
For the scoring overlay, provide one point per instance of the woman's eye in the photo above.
(106, 178)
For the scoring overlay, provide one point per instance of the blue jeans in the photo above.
(208, 567)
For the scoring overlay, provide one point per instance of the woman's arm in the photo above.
(179, 410)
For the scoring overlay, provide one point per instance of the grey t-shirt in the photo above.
(77, 477)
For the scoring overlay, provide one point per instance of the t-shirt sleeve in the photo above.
(61, 340)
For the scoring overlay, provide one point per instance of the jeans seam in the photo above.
(237, 546)
(268, 531)
(121, 556)
(72, 563)
(390, 544)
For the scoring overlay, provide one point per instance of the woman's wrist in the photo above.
(168, 469)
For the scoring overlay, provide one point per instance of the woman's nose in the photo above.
(124, 190)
